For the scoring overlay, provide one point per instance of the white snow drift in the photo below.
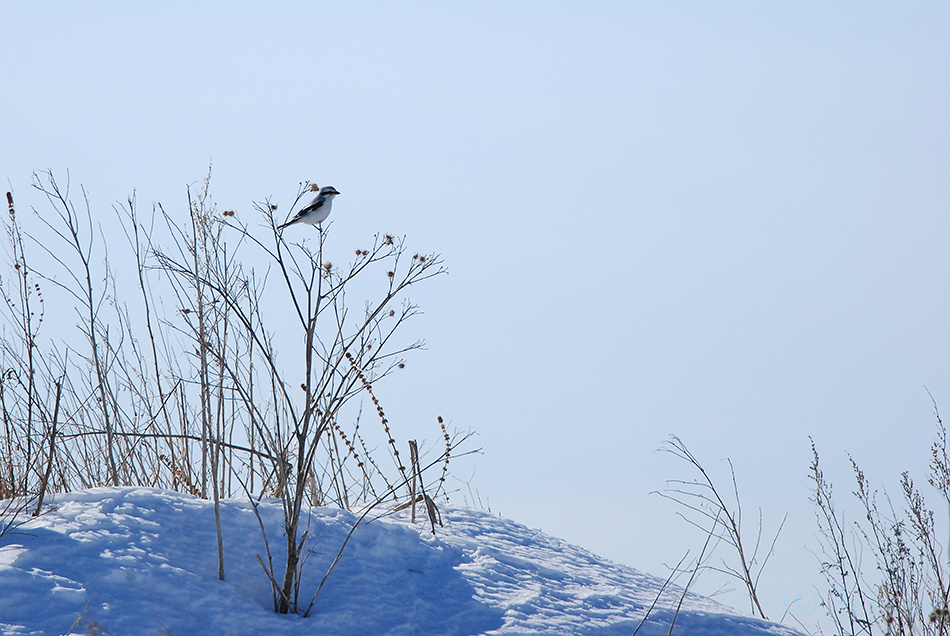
(140, 561)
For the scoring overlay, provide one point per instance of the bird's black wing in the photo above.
(313, 207)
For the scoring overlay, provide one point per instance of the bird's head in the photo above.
(328, 191)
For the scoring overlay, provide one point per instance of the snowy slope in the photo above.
(138, 561)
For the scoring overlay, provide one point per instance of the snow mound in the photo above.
(143, 561)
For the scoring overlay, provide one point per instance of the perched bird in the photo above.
(317, 210)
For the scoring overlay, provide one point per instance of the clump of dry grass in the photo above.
(886, 570)
(172, 378)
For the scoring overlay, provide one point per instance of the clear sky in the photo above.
(727, 221)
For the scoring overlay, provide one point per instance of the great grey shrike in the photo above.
(317, 210)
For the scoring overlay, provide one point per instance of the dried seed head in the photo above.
(228, 213)
(392, 313)
(391, 274)
(402, 365)
(314, 187)
(273, 207)
(388, 239)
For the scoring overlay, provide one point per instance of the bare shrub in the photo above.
(179, 385)
(885, 570)
(704, 501)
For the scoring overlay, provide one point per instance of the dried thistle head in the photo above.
(314, 187)
(388, 239)
(228, 213)
(328, 266)
(273, 207)
(402, 365)
(392, 312)
(391, 274)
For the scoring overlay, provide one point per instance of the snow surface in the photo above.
(141, 561)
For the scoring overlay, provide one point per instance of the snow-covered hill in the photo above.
(136, 561)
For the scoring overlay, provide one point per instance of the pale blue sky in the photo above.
(727, 221)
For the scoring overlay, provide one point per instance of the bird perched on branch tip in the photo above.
(317, 210)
